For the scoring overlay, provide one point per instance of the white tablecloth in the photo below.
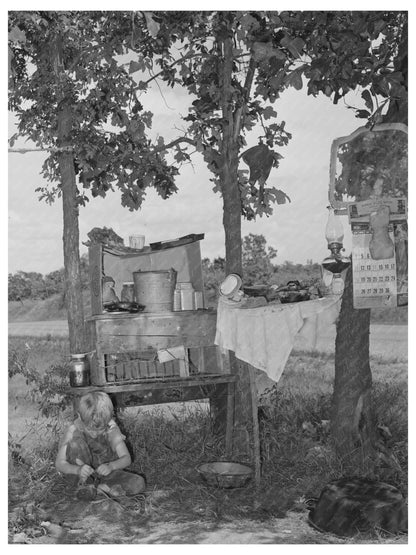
(264, 336)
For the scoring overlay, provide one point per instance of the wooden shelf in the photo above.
(160, 383)
(152, 315)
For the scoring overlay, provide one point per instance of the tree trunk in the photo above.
(232, 216)
(229, 168)
(352, 419)
(73, 288)
(245, 430)
(353, 425)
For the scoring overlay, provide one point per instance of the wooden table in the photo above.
(209, 377)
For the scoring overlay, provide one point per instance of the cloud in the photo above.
(295, 229)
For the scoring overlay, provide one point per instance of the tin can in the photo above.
(79, 374)
(177, 300)
(187, 295)
(198, 300)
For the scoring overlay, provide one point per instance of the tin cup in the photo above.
(136, 241)
(230, 288)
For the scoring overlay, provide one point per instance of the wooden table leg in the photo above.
(229, 426)
(246, 440)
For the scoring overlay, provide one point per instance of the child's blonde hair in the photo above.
(95, 409)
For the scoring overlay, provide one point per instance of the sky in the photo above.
(295, 229)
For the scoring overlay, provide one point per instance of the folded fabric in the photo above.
(264, 336)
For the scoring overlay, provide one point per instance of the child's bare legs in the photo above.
(78, 452)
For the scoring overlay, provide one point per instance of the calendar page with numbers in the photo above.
(374, 281)
(378, 283)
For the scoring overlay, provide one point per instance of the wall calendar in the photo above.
(381, 282)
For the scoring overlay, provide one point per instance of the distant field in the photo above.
(53, 308)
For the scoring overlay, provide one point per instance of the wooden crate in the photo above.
(139, 337)
(127, 367)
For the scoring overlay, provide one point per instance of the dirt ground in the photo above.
(63, 519)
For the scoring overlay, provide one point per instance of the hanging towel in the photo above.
(264, 336)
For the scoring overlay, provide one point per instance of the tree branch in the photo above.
(240, 112)
(50, 149)
(175, 143)
(187, 56)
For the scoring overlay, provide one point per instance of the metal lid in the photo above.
(184, 285)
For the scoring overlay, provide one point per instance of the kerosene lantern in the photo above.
(335, 263)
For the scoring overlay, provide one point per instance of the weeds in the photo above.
(48, 388)
(297, 458)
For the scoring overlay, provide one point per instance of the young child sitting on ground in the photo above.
(92, 453)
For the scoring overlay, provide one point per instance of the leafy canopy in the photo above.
(231, 89)
(108, 137)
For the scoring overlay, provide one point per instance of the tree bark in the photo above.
(245, 431)
(229, 168)
(352, 421)
(232, 216)
(353, 425)
(73, 287)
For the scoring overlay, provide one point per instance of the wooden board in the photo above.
(150, 385)
(146, 331)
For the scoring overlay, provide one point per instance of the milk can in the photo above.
(79, 374)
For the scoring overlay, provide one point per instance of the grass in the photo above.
(53, 308)
(168, 443)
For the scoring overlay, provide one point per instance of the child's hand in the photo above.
(85, 471)
(104, 469)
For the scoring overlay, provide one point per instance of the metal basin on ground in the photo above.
(225, 474)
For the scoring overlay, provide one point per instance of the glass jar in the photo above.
(79, 374)
(337, 284)
(127, 292)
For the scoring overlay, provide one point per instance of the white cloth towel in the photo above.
(264, 336)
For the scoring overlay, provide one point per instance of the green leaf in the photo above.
(269, 112)
(276, 81)
(136, 66)
(152, 25)
(362, 114)
(294, 79)
(366, 96)
(281, 197)
(17, 35)
(263, 51)
(295, 46)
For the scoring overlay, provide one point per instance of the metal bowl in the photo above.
(225, 474)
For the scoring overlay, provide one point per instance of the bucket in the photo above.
(154, 289)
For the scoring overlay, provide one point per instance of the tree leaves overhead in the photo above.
(327, 52)
(260, 160)
(373, 156)
(108, 138)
